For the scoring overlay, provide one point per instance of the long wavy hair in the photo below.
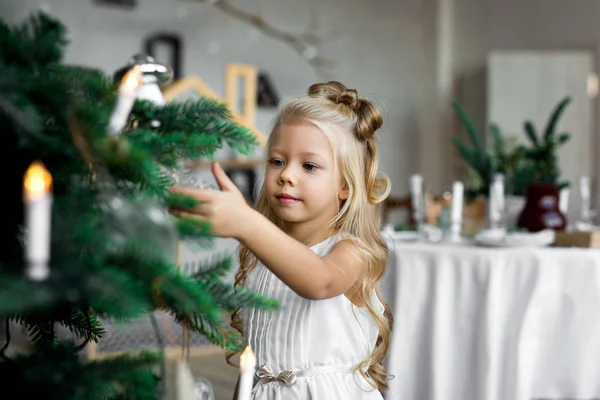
(350, 123)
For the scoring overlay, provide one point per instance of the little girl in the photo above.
(313, 244)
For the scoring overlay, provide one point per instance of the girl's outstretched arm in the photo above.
(306, 273)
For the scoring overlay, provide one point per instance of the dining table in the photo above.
(476, 322)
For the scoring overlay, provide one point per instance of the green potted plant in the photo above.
(504, 156)
(541, 208)
(530, 170)
(543, 149)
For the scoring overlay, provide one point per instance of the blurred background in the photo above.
(503, 61)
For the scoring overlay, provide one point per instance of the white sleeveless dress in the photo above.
(308, 349)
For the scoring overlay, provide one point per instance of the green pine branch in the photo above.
(60, 373)
(169, 148)
(42, 329)
(214, 268)
(193, 228)
(231, 298)
(202, 116)
(19, 296)
(39, 40)
(113, 243)
(85, 325)
(216, 332)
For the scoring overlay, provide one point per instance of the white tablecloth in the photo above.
(493, 324)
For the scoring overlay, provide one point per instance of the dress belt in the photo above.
(265, 375)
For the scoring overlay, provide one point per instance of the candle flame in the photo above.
(133, 78)
(247, 359)
(37, 180)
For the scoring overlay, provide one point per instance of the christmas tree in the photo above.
(111, 242)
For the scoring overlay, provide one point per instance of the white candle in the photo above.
(586, 193)
(416, 198)
(584, 187)
(457, 202)
(38, 210)
(496, 202)
(127, 94)
(151, 91)
(416, 185)
(563, 200)
(247, 365)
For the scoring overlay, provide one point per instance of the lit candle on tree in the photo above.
(130, 83)
(247, 365)
(37, 192)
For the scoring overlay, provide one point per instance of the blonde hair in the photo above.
(350, 124)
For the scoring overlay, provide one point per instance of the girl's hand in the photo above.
(226, 209)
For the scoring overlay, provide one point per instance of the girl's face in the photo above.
(301, 182)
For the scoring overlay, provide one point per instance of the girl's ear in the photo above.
(344, 191)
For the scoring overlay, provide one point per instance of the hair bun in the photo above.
(335, 92)
(328, 90)
(348, 97)
(369, 118)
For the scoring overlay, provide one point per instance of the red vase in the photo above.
(541, 209)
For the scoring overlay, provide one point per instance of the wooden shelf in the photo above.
(227, 164)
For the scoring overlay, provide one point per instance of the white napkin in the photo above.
(586, 227)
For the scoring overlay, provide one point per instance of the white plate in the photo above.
(400, 235)
(518, 239)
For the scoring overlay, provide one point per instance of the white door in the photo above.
(527, 85)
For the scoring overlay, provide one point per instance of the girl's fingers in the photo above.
(222, 179)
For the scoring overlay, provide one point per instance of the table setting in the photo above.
(500, 313)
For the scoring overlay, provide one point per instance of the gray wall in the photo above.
(383, 48)
(484, 25)
(411, 57)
